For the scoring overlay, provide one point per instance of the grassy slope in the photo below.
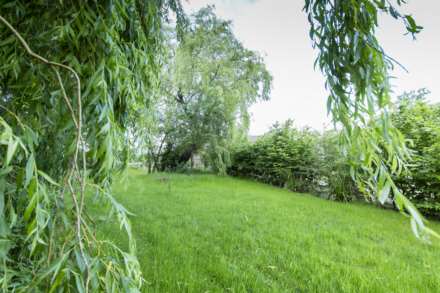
(203, 233)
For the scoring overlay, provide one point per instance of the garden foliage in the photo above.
(72, 73)
(75, 76)
(303, 160)
(300, 160)
(419, 121)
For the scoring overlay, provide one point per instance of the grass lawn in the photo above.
(202, 233)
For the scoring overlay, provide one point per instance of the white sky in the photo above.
(279, 30)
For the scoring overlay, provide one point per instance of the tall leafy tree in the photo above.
(211, 80)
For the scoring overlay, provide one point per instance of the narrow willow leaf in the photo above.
(8, 40)
(57, 282)
(31, 206)
(12, 147)
(384, 192)
(2, 196)
(415, 228)
(29, 170)
(47, 178)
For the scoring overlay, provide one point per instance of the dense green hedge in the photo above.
(301, 160)
(283, 157)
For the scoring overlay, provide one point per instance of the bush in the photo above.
(419, 121)
(300, 160)
(334, 169)
(284, 157)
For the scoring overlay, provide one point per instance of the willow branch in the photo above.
(78, 124)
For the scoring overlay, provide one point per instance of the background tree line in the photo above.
(309, 161)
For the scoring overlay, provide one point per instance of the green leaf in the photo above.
(48, 178)
(384, 192)
(12, 147)
(30, 165)
(2, 196)
(8, 40)
(31, 206)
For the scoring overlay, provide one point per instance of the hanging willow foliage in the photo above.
(356, 68)
(71, 74)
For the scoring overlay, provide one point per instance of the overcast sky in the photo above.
(278, 29)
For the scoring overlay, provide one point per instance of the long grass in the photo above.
(204, 233)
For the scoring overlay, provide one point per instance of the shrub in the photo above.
(419, 121)
(334, 170)
(300, 160)
(283, 157)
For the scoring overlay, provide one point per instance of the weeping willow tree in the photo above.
(72, 73)
(210, 82)
(357, 77)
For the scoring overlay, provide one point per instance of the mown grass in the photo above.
(202, 233)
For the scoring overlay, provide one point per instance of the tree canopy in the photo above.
(208, 85)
